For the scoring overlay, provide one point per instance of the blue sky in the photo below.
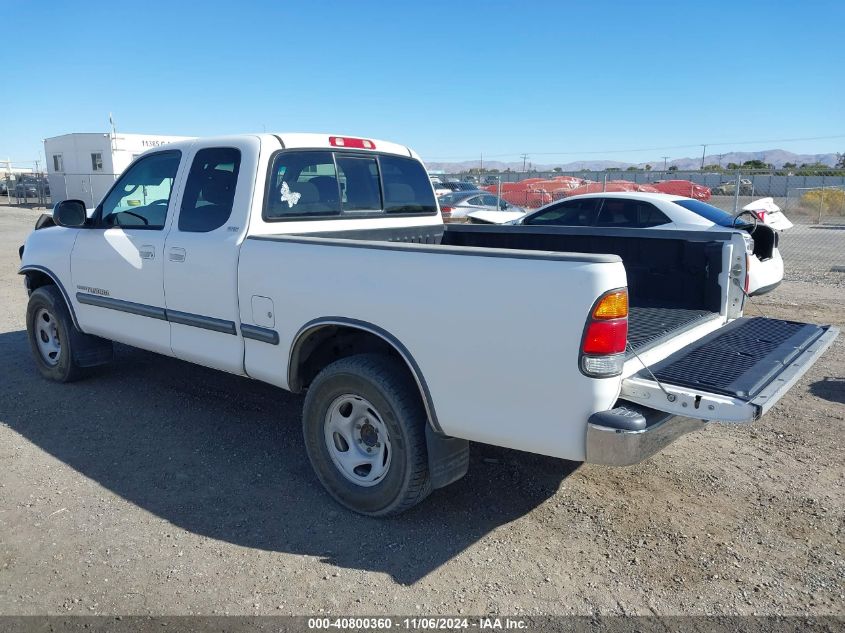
(451, 79)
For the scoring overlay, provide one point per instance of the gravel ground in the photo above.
(161, 487)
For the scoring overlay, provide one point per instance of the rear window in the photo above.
(407, 188)
(328, 184)
(707, 211)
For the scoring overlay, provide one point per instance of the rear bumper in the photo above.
(612, 446)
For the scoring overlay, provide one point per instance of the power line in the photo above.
(652, 149)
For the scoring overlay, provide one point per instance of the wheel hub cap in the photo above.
(357, 440)
(47, 337)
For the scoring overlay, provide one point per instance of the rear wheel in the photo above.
(364, 428)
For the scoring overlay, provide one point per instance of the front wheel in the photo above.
(364, 428)
(52, 335)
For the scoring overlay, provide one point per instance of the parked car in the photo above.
(769, 213)
(634, 210)
(728, 188)
(457, 205)
(26, 190)
(244, 254)
(453, 185)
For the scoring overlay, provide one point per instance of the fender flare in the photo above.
(371, 328)
(46, 271)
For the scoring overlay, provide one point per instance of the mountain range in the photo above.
(776, 157)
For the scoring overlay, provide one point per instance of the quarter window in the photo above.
(140, 197)
(210, 189)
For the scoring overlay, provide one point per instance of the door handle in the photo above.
(147, 251)
(176, 254)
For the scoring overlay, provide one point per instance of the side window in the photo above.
(488, 201)
(140, 197)
(303, 183)
(210, 189)
(359, 183)
(475, 201)
(621, 213)
(568, 213)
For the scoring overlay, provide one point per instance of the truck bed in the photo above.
(648, 327)
(672, 275)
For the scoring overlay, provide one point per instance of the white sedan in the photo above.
(633, 210)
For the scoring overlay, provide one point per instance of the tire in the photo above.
(365, 402)
(52, 336)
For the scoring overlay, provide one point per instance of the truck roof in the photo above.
(324, 140)
(312, 140)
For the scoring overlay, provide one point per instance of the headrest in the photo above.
(218, 186)
(308, 193)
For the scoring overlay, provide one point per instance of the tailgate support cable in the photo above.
(671, 397)
(748, 297)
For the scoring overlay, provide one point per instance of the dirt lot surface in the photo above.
(160, 487)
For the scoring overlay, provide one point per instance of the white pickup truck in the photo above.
(319, 263)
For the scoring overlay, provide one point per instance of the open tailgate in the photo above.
(734, 374)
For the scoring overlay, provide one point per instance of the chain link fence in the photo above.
(24, 186)
(813, 249)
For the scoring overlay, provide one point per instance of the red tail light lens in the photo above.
(761, 215)
(446, 210)
(355, 143)
(606, 337)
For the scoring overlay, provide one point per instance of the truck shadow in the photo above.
(222, 456)
(832, 389)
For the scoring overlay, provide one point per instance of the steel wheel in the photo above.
(357, 440)
(47, 337)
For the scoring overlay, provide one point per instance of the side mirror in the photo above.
(70, 213)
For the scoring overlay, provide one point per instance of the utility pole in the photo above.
(481, 167)
(703, 152)
(665, 158)
(524, 158)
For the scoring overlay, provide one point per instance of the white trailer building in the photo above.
(83, 166)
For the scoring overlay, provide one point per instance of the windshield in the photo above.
(707, 211)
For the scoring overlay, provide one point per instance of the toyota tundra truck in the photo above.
(320, 264)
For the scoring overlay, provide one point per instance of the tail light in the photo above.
(761, 215)
(446, 210)
(355, 143)
(606, 336)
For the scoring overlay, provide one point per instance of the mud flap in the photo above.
(734, 374)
